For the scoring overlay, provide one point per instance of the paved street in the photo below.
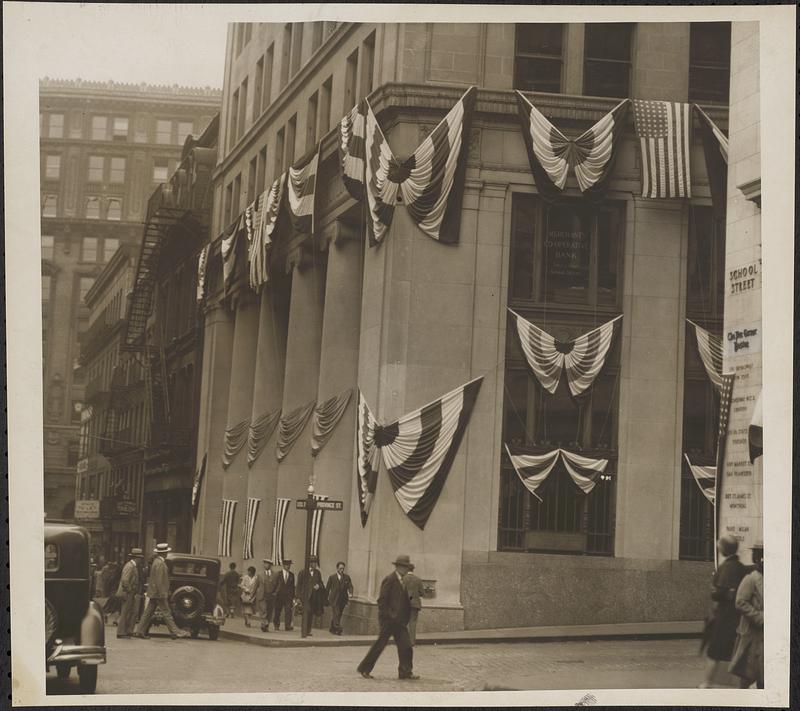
(232, 666)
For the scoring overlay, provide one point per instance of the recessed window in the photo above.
(117, 172)
(48, 245)
(185, 129)
(233, 123)
(163, 131)
(46, 287)
(350, 79)
(86, 283)
(114, 211)
(367, 64)
(110, 246)
(538, 56)
(120, 128)
(325, 106)
(311, 121)
(99, 128)
(286, 50)
(89, 249)
(258, 87)
(93, 208)
(262, 170)
(607, 59)
(709, 61)
(266, 92)
(291, 137)
(52, 167)
(317, 29)
(49, 205)
(56, 126)
(96, 164)
(297, 46)
(160, 170)
(242, 113)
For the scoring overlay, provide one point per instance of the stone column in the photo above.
(240, 405)
(213, 408)
(262, 482)
(300, 386)
(338, 371)
(660, 66)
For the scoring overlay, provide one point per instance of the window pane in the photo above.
(96, 169)
(606, 79)
(710, 43)
(160, 170)
(539, 38)
(609, 40)
(99, 128)
(120, 127)
(558, 418)
(52, 167)
(89, 249)
(46, 285)
(163, 131)
(110, 245)
(49, 205)
(117, 174)
(185, 129)
(566, 254)
(537, 74)
(56, 126)
(114, 209)
(607, 52)
(47, 246)
(709, 84)
(93, 208)
(522, 247)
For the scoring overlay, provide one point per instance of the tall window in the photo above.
(120, 131)
(89, 249)
(114, 211)
(607, 59)
(536, 422)
(49, 205)
(261, 171)
(96, 165)
(48, 245)
(538, 56)
(52, 167)
(367, 64)
(160, 170)
(704, 306)
(258, 87)
(242, 115)
(291, 139)
(163, 131)
(46, 287)
(279, 143)
(228, 200)
(99, 128)
(297, 46)
(92, 208)
(237, 196)
(233, 124)
(266, 92)
(286, 53)
(110, 246)
(185, 129)
(709, 61)
(56, 126)
(251, 179)
(311, 121)
(325, 106)
(117, 172)
(350, 79)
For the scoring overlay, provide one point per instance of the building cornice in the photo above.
(84, 87)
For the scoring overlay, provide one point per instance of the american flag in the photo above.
(664, 130)
(226, 527)
(249, 526)
(722, 434)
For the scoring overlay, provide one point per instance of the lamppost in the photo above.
(310, 506)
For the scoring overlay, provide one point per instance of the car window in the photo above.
(187, 567)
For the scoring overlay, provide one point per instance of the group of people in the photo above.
(734, 631)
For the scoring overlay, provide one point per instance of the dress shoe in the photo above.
(366, 674)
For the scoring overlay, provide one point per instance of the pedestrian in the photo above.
(158, 596)
(747, 661)
(724, 618)
(311, 592)
(394, 611)
(284, 597)
(248, 586)
(265, 594)
(229, 590)
(128, 593)
(339, 590)
(415, 592)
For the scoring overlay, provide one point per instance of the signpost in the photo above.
(310, 504)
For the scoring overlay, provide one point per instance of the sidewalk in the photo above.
(234, 629)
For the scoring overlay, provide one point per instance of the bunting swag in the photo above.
(197, 484)
(418, 450)
(301, 191)
(290, 428)
(533, 469)
(226, 527)
(316, 525)
(261, 243)
(228, 252)
(202, 264)
(281, 509)
(430, 180)
(326, 417)
(709, 347)
(352, 151)
(368, 457)
(249, 527)
(258, 433)
(235, 438)
(715, 149)
(552, 155)
(705, 478)
(582, 358)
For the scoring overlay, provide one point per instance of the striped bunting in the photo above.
(419, 448)
(316, 525)
(226, 527)
(664, 130)
(368, 457)
(259, 433)
(235, 439)
(582, 358)
(352, 150)
(197, 485)
(533, 469)
(552, 155)
(709, 347)
(290, 427)
(430, 180)
(715, 150)
(281, 509)
(705, 478)
(202, 265)
(326, 417)
(301, 190)
(249, 527)
(268, 206)
(228, 251)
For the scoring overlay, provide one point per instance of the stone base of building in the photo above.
(361, 617)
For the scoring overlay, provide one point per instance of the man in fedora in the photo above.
(158, 595)
(128, 591)
(394, 611)
(339, 590)
(284, 596)
(311, 592)
(265, 593)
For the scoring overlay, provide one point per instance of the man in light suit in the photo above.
(129, 591)
(394, 611)
(415, 592)
(265, 593)
(340, 590)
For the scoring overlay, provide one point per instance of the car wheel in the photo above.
(195, 631)
(187, 602)
(63, 671)
(213, 632)
(87, 679)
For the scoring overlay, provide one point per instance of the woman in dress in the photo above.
(725, 617)
(748, 654)
(248, 585)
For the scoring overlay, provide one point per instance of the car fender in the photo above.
(93, 629)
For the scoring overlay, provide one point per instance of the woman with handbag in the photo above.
(248, 585)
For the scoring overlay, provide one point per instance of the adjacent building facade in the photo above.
(103, 147)
(411, 319)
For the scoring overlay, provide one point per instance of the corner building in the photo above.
(412, 318)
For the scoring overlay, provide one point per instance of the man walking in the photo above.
(415, 592)
(311, 592)
(339, 590)
(265, 594)
(284, 597)
(158, 594)
(229, 587)
(128, 591)
(394, 611)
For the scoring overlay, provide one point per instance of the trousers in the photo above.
(336, 617)
(283, 604)
(267, 607)
(128, 614)
(405, 653)
(162, 604)
(412, 625)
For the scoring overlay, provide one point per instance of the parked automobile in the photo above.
(193, 586)
(74, 626)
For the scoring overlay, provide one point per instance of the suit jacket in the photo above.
(285, 589)
(339, 591)
(266, 584)
(394, 606)
(158, 582)
(129, 580)
(317, 598)
(415, 591)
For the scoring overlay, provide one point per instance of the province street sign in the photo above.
(326, 505)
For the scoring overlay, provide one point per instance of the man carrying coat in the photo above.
(394, 611)
(158, 596)
(129, 591)
(284, 597)
(265, 593)
(339, 590)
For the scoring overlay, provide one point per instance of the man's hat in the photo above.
(313, 559)
(403, 560)
(267, 560)
(136, 552)
(162, 548)
(287, 561)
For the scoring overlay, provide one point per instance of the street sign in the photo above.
(326, 505)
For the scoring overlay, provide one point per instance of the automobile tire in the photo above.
(194, 632)
(63, 670)
(187, 602)
(87, 678)
(213, 632)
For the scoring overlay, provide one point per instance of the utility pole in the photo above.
(310, 506)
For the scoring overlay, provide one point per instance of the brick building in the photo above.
(410, 319)
(103, 148)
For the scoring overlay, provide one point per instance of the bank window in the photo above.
(163, 131)
(566, 253)
(89, 249)
(538, 56)
(120, 132)
(185, 129)
(160, 170)
(48, 246)
(99, 128)
(110, 246)
(52, 167)
(96, 165)
(55, 127)
(46, 287)
(709, 61)
(117, 172)
(114, 211)
(607, 59)
(92, 208)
